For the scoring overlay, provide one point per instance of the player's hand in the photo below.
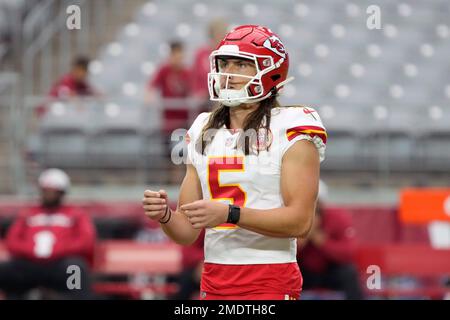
(205, 213)
(155, 203)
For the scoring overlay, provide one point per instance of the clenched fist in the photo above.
(155, 204)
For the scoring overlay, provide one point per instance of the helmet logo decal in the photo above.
(274, 44)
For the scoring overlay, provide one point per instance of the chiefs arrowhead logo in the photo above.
(274, 44)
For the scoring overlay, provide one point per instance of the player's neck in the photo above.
(239, 114)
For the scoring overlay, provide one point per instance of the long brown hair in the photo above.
(253, 123)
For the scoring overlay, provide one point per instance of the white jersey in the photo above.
(252, 181)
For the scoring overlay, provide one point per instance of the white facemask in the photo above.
(232, 97)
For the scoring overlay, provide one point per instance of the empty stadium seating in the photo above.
(383, 94)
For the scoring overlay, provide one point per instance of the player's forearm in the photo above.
(179, 229)
(279, 222)
(267, 233)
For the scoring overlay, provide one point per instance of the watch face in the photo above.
(234, 214)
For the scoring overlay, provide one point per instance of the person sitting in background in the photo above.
(45, 240)
(192, 261)
(72, 85)
(75, 82)
(326, 256)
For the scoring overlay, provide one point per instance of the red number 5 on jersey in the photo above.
(218, 191)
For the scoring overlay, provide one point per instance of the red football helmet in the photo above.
(265, 49)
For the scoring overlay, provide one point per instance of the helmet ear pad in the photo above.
(255, 89)
(271, 79)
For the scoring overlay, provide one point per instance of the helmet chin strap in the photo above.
(237, 94)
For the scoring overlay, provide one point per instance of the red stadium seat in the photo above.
(4, 254)
(411, 260)
(132, 258)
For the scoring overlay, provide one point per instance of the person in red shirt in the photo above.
(172, 81)
(326, 257)
(217, 30)
(45, 240)
(75, 82)
(72, 85)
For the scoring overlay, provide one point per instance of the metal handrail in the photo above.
(12, 129)
(35, 17)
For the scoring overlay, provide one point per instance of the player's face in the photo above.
(51, 197)
(176, 58)
(235, 66)
(80, 74)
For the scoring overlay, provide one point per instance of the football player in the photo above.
(252, 174)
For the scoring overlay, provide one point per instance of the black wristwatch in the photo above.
(234, 213)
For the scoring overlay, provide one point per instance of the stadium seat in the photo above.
(434, 144)
(65, 148)
(131, 258)
(63, 135)
(407, 271)
(115, 148)
(436, 151)
(117, 140)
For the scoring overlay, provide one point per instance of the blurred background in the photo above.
(100, 102)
